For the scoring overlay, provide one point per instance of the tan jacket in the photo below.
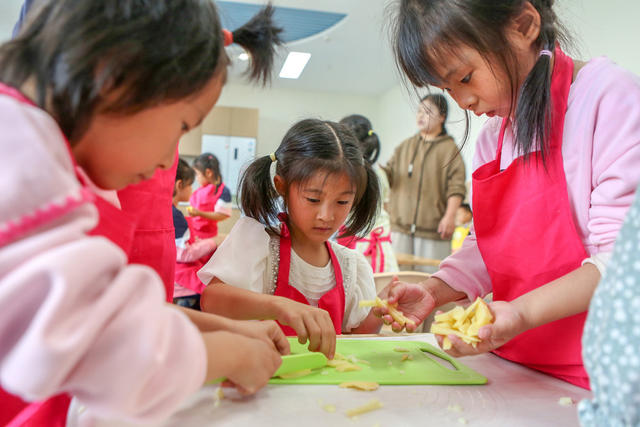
(438, 173)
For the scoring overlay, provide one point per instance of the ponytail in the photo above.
(259, 37)
(258, 197)
(363, 131)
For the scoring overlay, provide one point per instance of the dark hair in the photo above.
(426, 32)
(184, 173)
(208, 161)
(440, 102)
(466, 207)
(363, 130)
(79, 53)
(309, 147)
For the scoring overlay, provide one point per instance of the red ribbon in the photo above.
(375, 243)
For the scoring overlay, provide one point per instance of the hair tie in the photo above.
(545, 52)
(228, 37)
(209, 157)
(370, 132)
(272, 170)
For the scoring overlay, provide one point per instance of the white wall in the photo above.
(279, 109)
(396, 121)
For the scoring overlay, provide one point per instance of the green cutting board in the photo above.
(385, 365)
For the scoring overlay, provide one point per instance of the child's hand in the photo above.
(193, 211)
(247, 363)
(310, 323)
(508, 322)
(265, 330)
(414, 301)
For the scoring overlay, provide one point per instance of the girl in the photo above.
(555, 165)
(427, 174)
(293, 273)
(376, 245)
(98, 110)
(190, 253)
(211, 202)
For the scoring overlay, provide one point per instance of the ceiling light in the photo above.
(293, 66)
(244, 56)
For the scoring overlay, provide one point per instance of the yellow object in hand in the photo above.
(395, 314)
(190, 210)
(464, 323)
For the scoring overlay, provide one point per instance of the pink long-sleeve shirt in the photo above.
(74, 316)
(601, 157)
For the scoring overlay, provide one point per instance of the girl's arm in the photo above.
(213, 216)
(561, 298)
(195, 251)
(266, 331)
(308, 322)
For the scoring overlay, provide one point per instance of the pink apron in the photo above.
(204, 199)
(117, 227)
(332, 301)
(149, 204)
(527, 238)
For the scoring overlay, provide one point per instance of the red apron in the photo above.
(332, 301)
(149, 204)
(375, 239)
(527, 238)
(113, 224)
(204, 199)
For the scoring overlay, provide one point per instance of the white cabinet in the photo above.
(234, 154)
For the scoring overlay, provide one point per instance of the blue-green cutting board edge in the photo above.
(422, 370)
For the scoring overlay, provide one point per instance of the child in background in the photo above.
(611, 340)
(293, 273)
(464, 219)
(211, 202)
(556, 165)
(190, 253)
(376, 246)
(97, 111)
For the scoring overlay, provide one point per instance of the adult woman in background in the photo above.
(427, 178)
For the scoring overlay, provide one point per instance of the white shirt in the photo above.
(249, 257)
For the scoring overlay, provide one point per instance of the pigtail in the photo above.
(258, 197)
(363, 131)
(365, 211)
(533, 112)
(259, 37)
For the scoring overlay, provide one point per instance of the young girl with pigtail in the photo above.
(278, 262)
(95, 96)
(375, 246)
(555, 165)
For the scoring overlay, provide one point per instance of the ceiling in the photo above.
(351, 57)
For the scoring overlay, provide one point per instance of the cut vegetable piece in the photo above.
(296, 374)
(464, 323)
(371, 406)
(360, 385)
(565, 401)
(401, 349)
(395, 314)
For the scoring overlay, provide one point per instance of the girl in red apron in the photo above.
(211, 202)
(73, 303)
(282, 266)
(376, 246)
(191, 254)
(554, 174)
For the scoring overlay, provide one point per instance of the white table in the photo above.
(514, 396)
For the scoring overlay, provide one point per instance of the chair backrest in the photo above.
(383, 279)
